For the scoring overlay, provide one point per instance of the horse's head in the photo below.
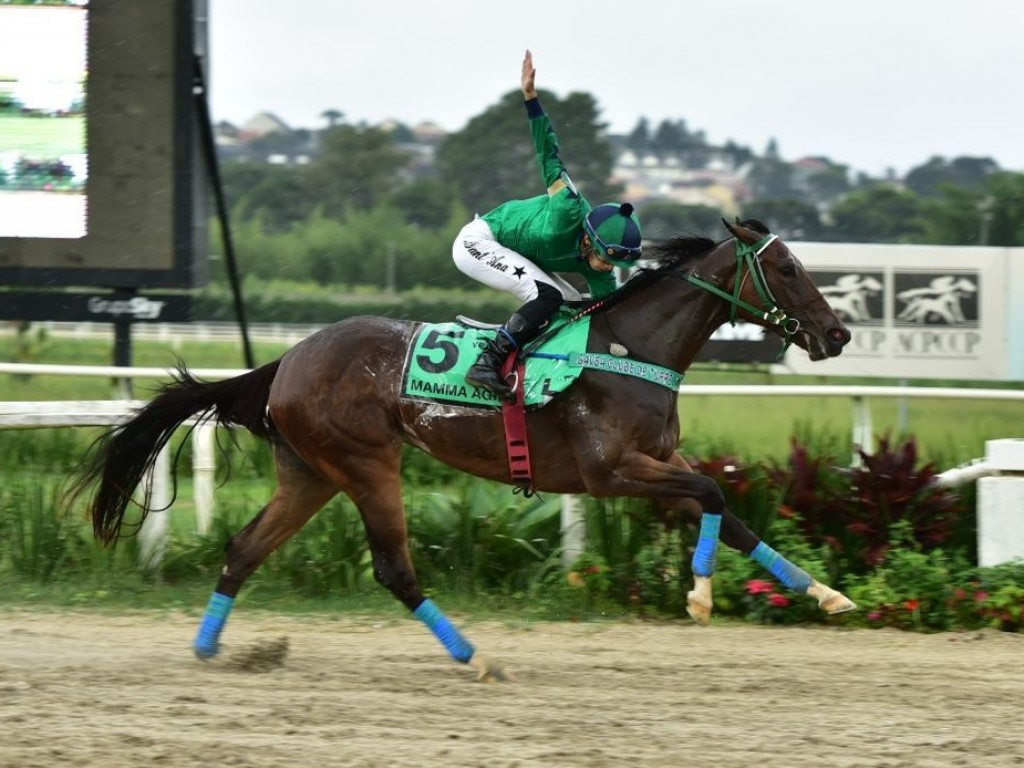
(776, 292)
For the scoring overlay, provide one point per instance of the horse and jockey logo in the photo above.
(856, 297)
(948, 299)
(917, 298)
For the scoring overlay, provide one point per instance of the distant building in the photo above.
(709, 180)
(263, 124)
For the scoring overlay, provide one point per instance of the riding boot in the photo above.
(486, 371)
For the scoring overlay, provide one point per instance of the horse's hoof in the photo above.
(488, 671)
(831, 601)
(840, 603)
(205, 653)
(699, 602)
(699, 611)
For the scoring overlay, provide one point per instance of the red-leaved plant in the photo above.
(852, 510)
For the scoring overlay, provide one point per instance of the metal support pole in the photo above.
(123, 357)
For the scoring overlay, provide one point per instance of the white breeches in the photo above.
(479, 255)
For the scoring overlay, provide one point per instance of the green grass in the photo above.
(42, 137)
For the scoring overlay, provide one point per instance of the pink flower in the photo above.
(875, 616)
(759, 587)
(981, 597)
(779, 601)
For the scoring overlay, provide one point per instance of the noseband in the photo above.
(748, 264)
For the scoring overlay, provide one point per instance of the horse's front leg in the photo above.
(673, 483)
(736, 535)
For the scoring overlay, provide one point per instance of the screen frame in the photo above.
(182, 262)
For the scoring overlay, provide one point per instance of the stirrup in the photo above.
(512, 382)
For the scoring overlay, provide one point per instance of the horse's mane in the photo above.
(672, 256)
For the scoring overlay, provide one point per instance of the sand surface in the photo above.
(86, 689)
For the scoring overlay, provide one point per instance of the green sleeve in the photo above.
(545, 143)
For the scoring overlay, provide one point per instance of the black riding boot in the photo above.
(486, 371)
(522, 327)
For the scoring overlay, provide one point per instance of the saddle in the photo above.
(441, 353)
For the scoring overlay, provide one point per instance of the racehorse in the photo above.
(333, 410)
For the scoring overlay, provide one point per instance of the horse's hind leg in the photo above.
(375, 487)
(300, 494)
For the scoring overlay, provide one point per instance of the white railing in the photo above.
(227, 332)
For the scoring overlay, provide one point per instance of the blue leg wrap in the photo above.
(705, 552)
(206, 646)
(458, 646)
(792, 576)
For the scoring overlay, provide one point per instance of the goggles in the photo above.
(615, 252)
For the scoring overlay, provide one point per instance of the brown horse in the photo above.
(333, 410)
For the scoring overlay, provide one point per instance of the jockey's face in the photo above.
(594, 258)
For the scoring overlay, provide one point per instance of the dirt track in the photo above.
(110, 691)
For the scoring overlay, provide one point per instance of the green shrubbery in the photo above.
(898, 546)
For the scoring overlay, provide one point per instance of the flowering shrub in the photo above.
(765, 605)
(1004, 610)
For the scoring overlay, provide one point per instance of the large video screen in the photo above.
(101, 180)
(44, 166)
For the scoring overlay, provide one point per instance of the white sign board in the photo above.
(918, 311)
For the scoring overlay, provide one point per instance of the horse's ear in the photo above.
(739, 231)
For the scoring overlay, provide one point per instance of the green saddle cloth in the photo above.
(442, 353)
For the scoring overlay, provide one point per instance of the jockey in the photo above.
(521, 245)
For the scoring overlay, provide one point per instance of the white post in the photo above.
(204, 467)
(574, 529)
(154, 532)
(1001, 504)
(863, 432)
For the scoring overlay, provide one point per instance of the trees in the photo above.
(770, 177)
(356, 168)
(990, 214)
(878, 214)
(279, 195)
(663, 220)
(927, 180)
(492, 159)
(639, 139)
(789, 219)
(1002, 210)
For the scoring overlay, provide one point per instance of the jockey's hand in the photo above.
(529, 74)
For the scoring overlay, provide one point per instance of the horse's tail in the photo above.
(120, 458)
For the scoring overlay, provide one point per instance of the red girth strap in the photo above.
(514, 414)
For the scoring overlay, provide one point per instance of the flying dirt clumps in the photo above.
(263, 656)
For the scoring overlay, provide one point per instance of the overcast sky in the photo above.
(873, 83)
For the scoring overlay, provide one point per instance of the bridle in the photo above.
(748, 264)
